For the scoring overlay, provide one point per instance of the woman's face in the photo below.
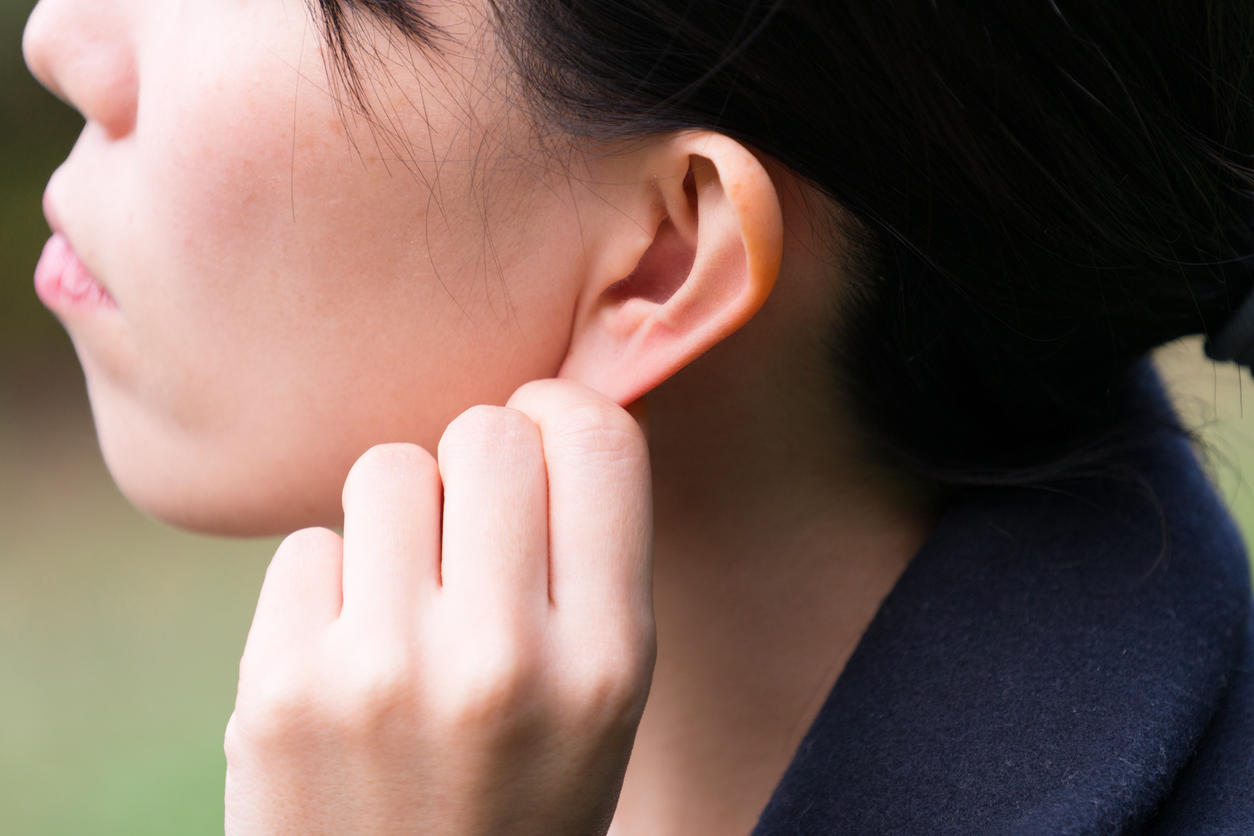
(293, 282)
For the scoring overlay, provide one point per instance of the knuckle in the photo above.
(610, 686)
(305, 541)
(251, 666)
(239, 747)
(387, 463)
(608, 703)
(271, 709)
(553, 394)
(304, 553)
(600, 430)
(232, 746)
(378, 686)
(540, 390)
(493, 688)
(486, 426)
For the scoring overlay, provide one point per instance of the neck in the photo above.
(773, 548)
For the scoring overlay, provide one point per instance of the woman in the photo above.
(914, 545)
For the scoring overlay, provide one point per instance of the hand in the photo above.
(483, 676)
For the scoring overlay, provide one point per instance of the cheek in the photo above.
(280, 252)
(298, 300)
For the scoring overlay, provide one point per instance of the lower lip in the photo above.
(63, 282)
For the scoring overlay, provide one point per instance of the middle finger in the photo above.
(495, 542)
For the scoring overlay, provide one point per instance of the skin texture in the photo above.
(505, 667)
(213, 191)
(299, 288)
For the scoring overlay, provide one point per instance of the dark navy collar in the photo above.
(1046, 663)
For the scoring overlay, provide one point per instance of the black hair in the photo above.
(1044, 190)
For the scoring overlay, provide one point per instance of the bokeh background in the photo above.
(120, 637)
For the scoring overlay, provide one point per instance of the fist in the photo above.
(473, 656)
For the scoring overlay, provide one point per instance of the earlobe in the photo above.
(708, 266)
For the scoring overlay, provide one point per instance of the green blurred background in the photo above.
(119, 637)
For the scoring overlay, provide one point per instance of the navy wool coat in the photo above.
(1077, 660)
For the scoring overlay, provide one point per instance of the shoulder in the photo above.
(1214, 792)
(1072, 660)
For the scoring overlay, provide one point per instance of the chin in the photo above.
(231, 484)
(207, 498)
(225, 518)
(205, 512)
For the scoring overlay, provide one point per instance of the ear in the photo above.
(710, 261)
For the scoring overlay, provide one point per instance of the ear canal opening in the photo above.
(661, 271)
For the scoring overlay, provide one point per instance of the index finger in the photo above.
(600, 501)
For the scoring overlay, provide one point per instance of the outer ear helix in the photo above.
(753, 198)
(712, 261)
